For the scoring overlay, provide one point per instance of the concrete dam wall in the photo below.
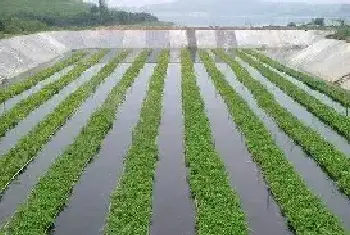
(21, 53)
(326, 58)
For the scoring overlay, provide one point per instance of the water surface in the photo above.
(261, 210)
(88, 205)
(172, 211)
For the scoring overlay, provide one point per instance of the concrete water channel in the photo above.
(173, 209)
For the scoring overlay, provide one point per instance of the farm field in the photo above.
(174, 141)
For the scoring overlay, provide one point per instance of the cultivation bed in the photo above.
(198, 140)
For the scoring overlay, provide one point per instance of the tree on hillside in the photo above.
(63, 14)
(318, 21)
(103, 10)
(102, 4)
(94, 9)
(2, 25)
(341, 22)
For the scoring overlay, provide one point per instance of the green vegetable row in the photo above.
(305, 212)
(334, 92)
(131, 202)
(49, 196)
(218, 208)
(27, 148)
(335, 163)
(328, 115)
(21, 110)
(15, 89)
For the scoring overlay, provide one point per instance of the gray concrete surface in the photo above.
(326, 58)
(207, 39)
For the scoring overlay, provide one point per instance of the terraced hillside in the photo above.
(173, 141)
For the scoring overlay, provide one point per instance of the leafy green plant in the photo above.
(21, 110)
(14, 162)
(304, 211)
(48, 197)
(15, 89)
(131, 202)
(334, 92)
(335, 163)
(218, 209)
(328, 115)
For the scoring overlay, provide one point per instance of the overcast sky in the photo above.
(313, 1)
(131, 3)
(143, 2)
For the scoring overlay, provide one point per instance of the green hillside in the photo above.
(28, 16)
(43, 7)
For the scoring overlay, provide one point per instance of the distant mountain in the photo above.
(251, 7)
(244, 12)
(345, 9)
(202, 6)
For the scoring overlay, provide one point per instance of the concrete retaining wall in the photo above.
(278, 38)
(326, 58)
(21, 53)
